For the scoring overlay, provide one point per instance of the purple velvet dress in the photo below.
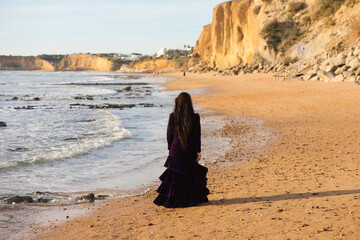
(184, 180)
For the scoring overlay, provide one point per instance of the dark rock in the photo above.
(79, 98)
(15, 98)
(111, 105)
(90, 197)
(71, 139)
(147, 104)
(18, 149)
(90, 120)
(77, 104)
(127, 88)
(2, 124)
(87, 97)
(25, 107)
(36, 99)
(44, 200)
(19, 199)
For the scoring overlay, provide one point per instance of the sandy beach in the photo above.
(305, 185)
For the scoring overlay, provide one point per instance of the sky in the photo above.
(34, 27)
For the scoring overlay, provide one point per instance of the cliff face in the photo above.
(24, 63)
(232, 38)
(150, 66)
(73, 62)
(156, 65)
(254, 31)
(84, 62)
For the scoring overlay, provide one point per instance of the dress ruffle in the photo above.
(183, 184)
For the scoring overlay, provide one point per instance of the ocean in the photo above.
(74, 132)
(69, 134)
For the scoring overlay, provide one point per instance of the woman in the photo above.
(184, 180)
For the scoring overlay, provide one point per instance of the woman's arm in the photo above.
(170, 134)
(197, 133)
(198, 138)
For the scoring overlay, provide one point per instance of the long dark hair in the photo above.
(183, 118)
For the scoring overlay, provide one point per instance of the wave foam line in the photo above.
(113, 132)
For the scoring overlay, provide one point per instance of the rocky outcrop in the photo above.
(84, 62)
(24, 63)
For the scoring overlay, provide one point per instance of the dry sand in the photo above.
(305, 185)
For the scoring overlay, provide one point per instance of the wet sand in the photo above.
(304, 185)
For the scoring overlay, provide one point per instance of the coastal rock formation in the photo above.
(24, 63)
(72, 62)
(149, 66)
(232, 38)
(267, 32)
(2, 124)
(19, 199)
(84, 62)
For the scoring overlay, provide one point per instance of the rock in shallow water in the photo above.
(44, 200)
(2, 124)
(90, 197)
(147, 104)
(19, 199)
(111, 105)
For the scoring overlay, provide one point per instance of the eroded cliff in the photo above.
(259, 31)
(72, 62)
(24, 63)
(155, 65)
(232, 38)
(84, 62)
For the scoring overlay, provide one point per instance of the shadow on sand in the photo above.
(283, 197)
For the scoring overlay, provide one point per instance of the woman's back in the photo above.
(194, 138)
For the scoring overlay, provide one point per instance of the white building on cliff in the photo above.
(161, 52)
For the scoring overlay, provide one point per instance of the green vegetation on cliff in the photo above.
(53, 59)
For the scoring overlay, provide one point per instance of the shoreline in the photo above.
(48, 216)
(304, 186)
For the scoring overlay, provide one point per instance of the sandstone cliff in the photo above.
(84, 62)
(157, 65)
(231, 39)
(24, 63)
(259, 31)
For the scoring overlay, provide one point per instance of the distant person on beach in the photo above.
(184, 74)
(184, 180)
